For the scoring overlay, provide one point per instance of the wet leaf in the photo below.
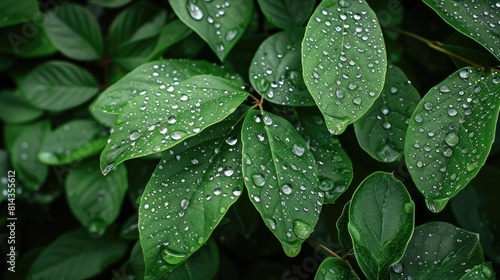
(189, 193)
(74, 31)
(220, 23)
(451, 132)
(335, 268)
(381, 131)
(287, 14)
(276, 70)
(14, 109)
(482, 271)
(168, 73)
(57, 86)
(95, 200)
(72, 141)
(281, 177)
(439, 250)
(343, 231)
(334, 166)
(475, 19)
(344, 60)
(156, 120)
(381, 221)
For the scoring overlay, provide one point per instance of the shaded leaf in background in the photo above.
(17, 11)
(439, 250)
(57, 86)
(381, 221)
(467, 48)
(335, 268)
(281, 178)
(17, 42)
(74, 31)
(381, 131)
(344, 71)
(343, 230)
(110, 3)
(287, 14)
(220, 23)
(15, 109)
(451, 132)
(203, 264)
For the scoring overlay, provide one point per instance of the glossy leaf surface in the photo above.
(335, 268)
(287, 14)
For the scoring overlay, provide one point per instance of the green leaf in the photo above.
(72, 141)
(477, 20)
(57, 86)
(137, 260)
(172, 33)
(24, 154)
(17, 41)
(334, 166)
(129, 229)
(14, 109)
(287, 13)
(204, 264)
(381, 221)
(439, 250)
(76, 255)
(335, 268)
(482, 271)
(159, 75)
(344, 70)
(451, 132)
(110, 3)
(94, 199)
(17, 11)
(220, 23)
(75, 32)
(146, 125)
(381, 131)
(190, 191)
(276, 70)
(281, 177)
(343, 230)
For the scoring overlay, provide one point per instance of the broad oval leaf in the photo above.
(475, 19)
(334, 165)
(17, 11)
(220, 23)
(287, 13)
(189, 193)
(335, 268)
(276, 70)
(94, 199)
(281, 177)
(72, 141)
(74, 31)
(76, 255)
(381, 221)
(345, 240)
(158, 119)
(14, 109)
(344, 60)
(381, 131)
(451, 132)
(57, 86)
(24, 154)
(156, 75)
(482, 271)
(439, 250)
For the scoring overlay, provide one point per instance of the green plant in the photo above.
(220, 122)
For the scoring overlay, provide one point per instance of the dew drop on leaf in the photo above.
(258, 179)
(409, 207)
(451, 139)
(172, 257)
(286, 189)
(298, 150)
(301, 229)
(134, 135)
(194, 11)
(325, 184)
(398, 267)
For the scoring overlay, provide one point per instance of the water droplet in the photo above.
(301, 229)
(485, 269)
(452, 112)
(258, 179)
(171, 120)
(178, 135)
(201, 240)
(231, 140)
(97, 228)
(418, 118)
(236, 192)
(228, 171)
(409, 207)
(184, 203)
(325, 184)
(387, 153)
(428, 106)
(464, 74)
(267, 120)
(393, 90)
(298, 150)
(194, 11)
(435, 206)
(286, 189)
(472, 166)
(357, 101)
(231, 34)
(172, 257)
(271, 223)
(263, 85)
(217, 191)
(386, 125)
(447, 152)
(355, 234)
(451, 139)
(222, 210)
(444, 89)
(344, 3)
(398, 267)
(134, 135)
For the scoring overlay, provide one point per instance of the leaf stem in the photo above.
(437, 46)
(324, 248)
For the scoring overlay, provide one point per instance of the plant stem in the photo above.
(324, 248)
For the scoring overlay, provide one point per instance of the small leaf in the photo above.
(335, 268)
(281, 177)
(276, 70)
(482, 271)
(94, 199)
(147, 126)
(204, 264)
(343, 230)
(172, 33)
(220, 23)
(17, 11)
(381, 131)
(381, 220)
(159, 75)
(72, 141)
(16, 41)
(334, 166)
(451, 132)
(190, 191)
(76, 255)
(74, 31)
(477, 20)
(287, 13)
(14, 109)
(24, 154)
(344, 71)
(57, 86)
(439, 250)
